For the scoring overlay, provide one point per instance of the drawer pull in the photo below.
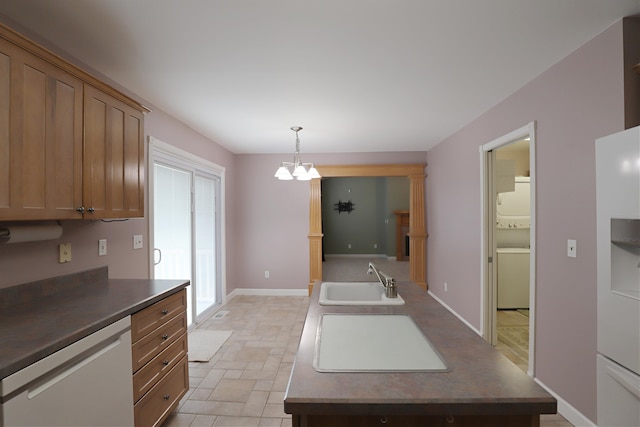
(384, 420)
(165, 362)
(450, 419)
(165, 337)
(166, 397)
(164, 311)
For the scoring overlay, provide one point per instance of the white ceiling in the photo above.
(357, 75)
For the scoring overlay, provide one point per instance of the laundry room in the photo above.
(512, 236)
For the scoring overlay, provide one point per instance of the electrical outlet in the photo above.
(349, 245)
(102, 247)
(571, 248)
(266, 274)
(137, 241)
(375, 246)
(64, 254)
(446, 287)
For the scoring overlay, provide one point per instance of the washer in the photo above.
(513, 278)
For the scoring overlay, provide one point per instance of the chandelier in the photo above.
(301, 171)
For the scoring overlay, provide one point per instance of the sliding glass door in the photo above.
(186, 224)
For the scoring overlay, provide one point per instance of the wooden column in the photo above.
(417, 233)
(315, 233)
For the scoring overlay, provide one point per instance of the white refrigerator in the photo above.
(618, 249)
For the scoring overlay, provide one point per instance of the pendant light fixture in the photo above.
(300, 171)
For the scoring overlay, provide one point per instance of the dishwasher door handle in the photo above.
(46, 383)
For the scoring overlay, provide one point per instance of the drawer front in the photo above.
(156, 405)
(149, 319)
(151, 345)
(152, 372)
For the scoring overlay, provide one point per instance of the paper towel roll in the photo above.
(32, 233)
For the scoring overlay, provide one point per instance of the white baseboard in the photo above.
(267, 292)
(565, 409)
(355, 256)
(462, 319)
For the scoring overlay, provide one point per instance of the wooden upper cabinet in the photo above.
(113, 157)
(71, 147)
(40, 138)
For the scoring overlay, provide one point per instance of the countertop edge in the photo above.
(87, 329)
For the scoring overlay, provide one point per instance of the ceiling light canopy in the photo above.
(296, 169)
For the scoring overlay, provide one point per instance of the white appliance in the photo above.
(88, 383)
(512, 207)
(618, 248)
(513, 278)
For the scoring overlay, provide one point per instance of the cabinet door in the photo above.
(40, 138)
(113, 171)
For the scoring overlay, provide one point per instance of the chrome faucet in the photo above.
(387, 281)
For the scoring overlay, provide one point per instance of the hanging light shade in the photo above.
(296, 169)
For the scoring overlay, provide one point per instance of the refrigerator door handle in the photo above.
(625, 380)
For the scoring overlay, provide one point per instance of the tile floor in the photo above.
(244, 382)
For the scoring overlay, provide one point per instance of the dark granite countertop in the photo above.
(40, 318)
(481, 380)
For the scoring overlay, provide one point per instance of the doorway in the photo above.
(417, 233)
(508, 245)
(186, 225)
(359, 225)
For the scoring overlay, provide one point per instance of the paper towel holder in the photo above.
(30, 233)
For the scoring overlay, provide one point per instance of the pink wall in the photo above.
(573, 103)
(272, 217)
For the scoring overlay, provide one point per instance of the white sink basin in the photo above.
(355, 293)
(373, 343)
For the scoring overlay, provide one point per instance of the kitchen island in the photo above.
(480, 388)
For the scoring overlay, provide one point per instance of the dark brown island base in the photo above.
(482, 388)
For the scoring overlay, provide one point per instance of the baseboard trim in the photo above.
(355, 256)
(462, 319)
(268, 292)
(565, 409)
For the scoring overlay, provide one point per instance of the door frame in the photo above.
(160, 150)
(417, 233)
(488, 303)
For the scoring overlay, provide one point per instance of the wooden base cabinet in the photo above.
(160, 367)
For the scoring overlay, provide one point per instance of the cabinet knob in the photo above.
(165, 362)
(165, 311)
(166, 397)
(384, 420)
(450, 419)
(80, 209)
(91, 210)
(165, 337)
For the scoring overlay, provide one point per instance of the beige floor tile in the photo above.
(204, 421)
(237, 421)
(270, 422)
(256, 403)
(231, 390)
(274, 410)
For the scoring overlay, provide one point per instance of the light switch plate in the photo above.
(571, 248)
(102, 247)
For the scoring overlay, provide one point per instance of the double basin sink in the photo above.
(358, 342)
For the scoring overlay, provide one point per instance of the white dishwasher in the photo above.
(88, 383)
